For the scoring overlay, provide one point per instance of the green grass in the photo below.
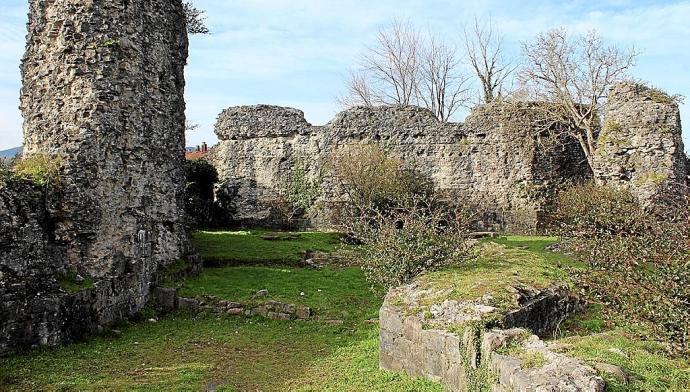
(70, 283)
(332, 293)
(183, 353)
(514, 260)
(650, 368)
(237, 247)
(235, 353)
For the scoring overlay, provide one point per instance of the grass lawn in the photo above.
(331, 292)
(184, 353)
(247, 246)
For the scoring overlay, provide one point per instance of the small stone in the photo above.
(616, 371)
(152, 320)
(619, 352)
(261, 293)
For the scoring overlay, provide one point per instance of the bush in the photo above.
(404, 227)
(296, 197)
(413, 239)
(373, 182)
(201, 177)
(41, 169)
(638, 261)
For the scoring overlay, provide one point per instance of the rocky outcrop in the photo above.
(102, 96)
(640, 146)
(261, 145)
(453, 343)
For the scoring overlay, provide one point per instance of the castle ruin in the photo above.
(103, 95)
(493, 159)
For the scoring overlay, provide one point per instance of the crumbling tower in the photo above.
(103, 85)
(640, 146)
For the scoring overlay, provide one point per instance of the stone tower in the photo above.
(103, 85)
(640, 146)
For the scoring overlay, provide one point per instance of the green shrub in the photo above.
(374, 182)
(415, 238)
(638, 261)
(297, 196)
(201, 177)
(41, 169)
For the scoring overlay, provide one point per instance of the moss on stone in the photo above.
(502, 264)
(72, 282)
(531, 359)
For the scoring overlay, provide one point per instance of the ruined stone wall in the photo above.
(451, 345)
(103, 85)
(640, 146)
(489, 163)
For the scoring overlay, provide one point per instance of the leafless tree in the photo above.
(196, 22)
(404, 68)
(573, 74)
(358, 91)
(189, 126)
(484, 51)
(392, 65)
(442, 85)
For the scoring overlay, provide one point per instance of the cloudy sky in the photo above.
(297, 52)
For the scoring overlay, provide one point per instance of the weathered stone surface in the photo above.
(420, 345)
(640, 146)
(260, 146)
(102, 94)
(165, 298)
(553, 372)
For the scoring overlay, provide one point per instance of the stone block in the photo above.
(165, 298)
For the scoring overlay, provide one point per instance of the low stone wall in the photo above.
(450, 345)
(167, 300)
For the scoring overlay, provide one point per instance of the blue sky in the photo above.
(297, 52)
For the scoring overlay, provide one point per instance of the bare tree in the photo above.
(573, 74)
(358, 91)
(189, 126)
(404, 68)
(442, 85)
(392, 65)
(484, 50)
(196, 22)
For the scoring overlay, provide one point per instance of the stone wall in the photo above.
(103, 86)
(451, 344)
(490, 163)
(640, 146)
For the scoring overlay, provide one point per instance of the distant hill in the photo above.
(10, 153)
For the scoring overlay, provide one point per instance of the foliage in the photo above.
(242, 247)
(298, 194)
(405, 227)
(201, 177)
(41, 169)
(374, 182)
(409, 241)
(72, 282)
(195, 20)
(637, 260)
